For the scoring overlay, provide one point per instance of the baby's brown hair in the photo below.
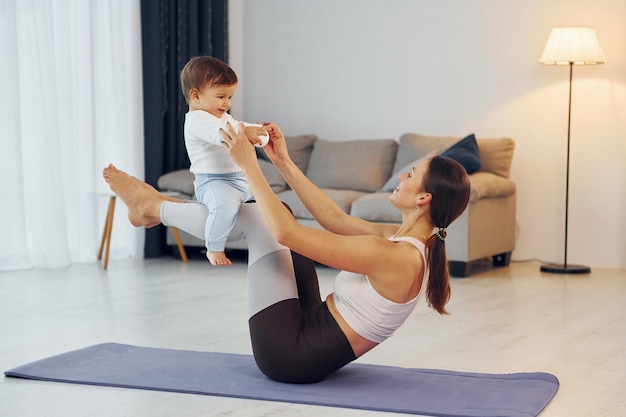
(203, 71)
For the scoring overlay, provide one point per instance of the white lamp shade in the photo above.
(577, 45)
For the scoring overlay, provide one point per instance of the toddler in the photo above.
(208, 85)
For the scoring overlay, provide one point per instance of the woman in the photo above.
(295, 336)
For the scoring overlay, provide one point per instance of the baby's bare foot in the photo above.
(142, 200)
(218, 258)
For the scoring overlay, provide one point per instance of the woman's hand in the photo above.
(276, 149)
(239, 147)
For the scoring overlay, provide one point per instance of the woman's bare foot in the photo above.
(142, 200)
(218, 258)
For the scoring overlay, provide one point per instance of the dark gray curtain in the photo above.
(172, 32)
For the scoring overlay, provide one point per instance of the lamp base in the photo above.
(565, 269)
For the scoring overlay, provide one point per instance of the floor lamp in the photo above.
(570, 46)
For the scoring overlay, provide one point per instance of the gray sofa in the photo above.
(360, 175)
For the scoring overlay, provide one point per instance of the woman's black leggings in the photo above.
(297, 340)
(294, 337)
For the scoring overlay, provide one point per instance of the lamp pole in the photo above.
(565, 268)
(569, 129)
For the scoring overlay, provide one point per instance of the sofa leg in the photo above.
(502, 259)
(459, 269)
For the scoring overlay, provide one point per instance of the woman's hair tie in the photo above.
(441, 233)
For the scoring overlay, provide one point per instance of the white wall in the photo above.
(361, 69)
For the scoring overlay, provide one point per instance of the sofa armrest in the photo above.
(488, 185)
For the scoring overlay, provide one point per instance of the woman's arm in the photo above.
(375, 256)
(327, 213)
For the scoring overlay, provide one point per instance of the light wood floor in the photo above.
(505, 320)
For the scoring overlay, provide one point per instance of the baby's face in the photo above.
(214, 99)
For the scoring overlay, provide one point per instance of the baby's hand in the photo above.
(258, 136)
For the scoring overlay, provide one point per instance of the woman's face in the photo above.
(411, 183)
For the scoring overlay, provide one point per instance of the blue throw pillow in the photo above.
(466, 153)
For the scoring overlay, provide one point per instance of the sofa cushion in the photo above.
(466, 153)
(496, 155)
(299, 148)
(393, 181)
(181, 181)
(413, 146)
(376, 208)
(362, 165)
(343, 198)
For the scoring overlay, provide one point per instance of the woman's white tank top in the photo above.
(370, 314)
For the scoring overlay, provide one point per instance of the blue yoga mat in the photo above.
(359, 386)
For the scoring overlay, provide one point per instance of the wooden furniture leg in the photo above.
(106, 234)
(179, 243)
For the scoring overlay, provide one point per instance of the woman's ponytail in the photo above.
(447, 181)
(438, 290)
